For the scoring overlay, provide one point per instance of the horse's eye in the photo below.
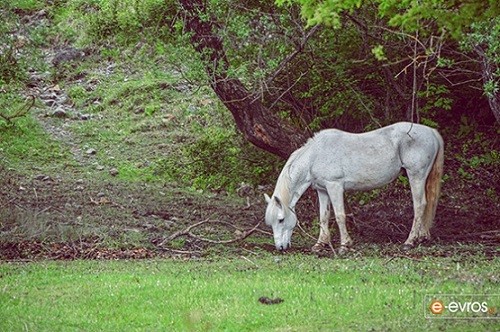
(281, 220)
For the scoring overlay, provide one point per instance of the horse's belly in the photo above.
(373, 174)
(358, 174)
(370, 179)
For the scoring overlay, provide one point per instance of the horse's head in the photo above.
(282, 219)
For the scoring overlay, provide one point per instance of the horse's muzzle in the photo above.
(283, 247)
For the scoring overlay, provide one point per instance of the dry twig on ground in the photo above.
(243, 234)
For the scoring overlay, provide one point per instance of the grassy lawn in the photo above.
(361, 294)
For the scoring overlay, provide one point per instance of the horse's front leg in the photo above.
(336, 193)
(324, 238)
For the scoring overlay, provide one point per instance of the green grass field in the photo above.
(363, 294)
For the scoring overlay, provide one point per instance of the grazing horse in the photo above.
(334, 161)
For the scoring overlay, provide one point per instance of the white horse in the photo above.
(334, 161)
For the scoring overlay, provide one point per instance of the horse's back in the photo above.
(405, 133)
(357, 161)
(370, 159)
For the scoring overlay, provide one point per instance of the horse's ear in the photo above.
(268, 199)
(278, 201)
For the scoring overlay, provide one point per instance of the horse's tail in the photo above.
(433, 184)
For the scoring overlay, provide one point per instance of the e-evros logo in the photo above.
(462, 306)
(436, 307)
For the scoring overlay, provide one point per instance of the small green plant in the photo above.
(78, 95)
(13, 68)
(464, 174)
(364, 197)
(129, 172)
(404, 180)
(492, 194)
(466, 127)
(152, 108)
(435, 99)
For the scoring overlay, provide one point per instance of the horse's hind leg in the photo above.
(336, 193)
(418, 230)
(324, 217)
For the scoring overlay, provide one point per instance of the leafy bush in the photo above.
(12, 69)
(219, 159)
(12, 65)
(128, 20)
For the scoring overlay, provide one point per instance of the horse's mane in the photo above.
(282, 189)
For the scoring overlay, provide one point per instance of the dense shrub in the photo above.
(128, 21)
(219, 159)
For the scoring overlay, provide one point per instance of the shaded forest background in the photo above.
(357, 66)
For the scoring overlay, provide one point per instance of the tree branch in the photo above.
(292, 55)
(187, 232)
(258, 124)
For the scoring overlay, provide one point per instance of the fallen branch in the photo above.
(187, 232)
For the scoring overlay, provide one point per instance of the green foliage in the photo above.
(476, 154)
(464, 174)
(455, 18)
(378, 52)
(409, 15)
(392, 32)
(13, 68)
(466, 127)
(488, 158)
(484, 40)
(12, 106)
(24, 5)
(130, 172)
(258, 36)
(435, 99)
(147, 94)
(365, 197)
(78, 95)
(404, 180)
(326, 12)
(218, 159)
(129, 21)
(485, 35)
(491, 87)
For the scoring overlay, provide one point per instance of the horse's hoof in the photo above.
(319, 247)
(426, 240)
(407, 247)
(343, 250)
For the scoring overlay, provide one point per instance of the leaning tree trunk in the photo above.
(488, 70)
(258, 124)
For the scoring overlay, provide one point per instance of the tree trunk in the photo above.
(488, 75)
(258, 124)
